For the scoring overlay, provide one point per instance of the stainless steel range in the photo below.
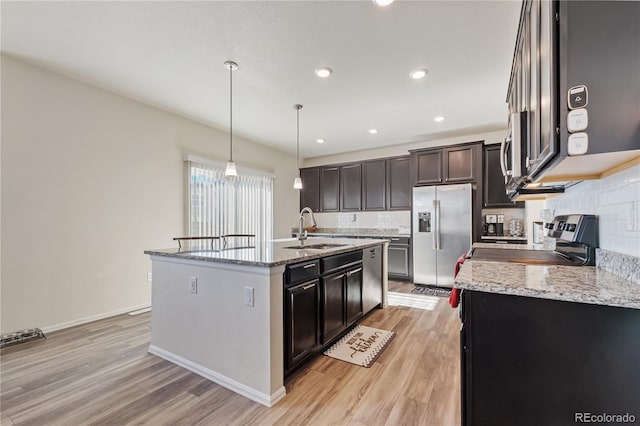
(576, 238)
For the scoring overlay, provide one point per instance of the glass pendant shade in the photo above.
(231, 169)
(231, 166)
(297, 182)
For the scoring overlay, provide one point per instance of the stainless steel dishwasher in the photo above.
(371, 278)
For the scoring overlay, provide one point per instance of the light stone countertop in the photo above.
(269, 254)
(583, 284)
(510, 246)
(355, 232)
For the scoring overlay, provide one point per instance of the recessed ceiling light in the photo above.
(383, 2)
(373, 131)
(418, 74)
(324, 72)
(439, 119)
(320, 140)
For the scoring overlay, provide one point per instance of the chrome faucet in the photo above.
(303, 235)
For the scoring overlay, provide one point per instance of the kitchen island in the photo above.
(547, 344)
(219, 313)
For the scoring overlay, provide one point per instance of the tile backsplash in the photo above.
(400, 219)
(616, 201)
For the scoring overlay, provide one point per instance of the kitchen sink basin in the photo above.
(316, 246)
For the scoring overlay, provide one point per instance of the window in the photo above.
(219, 205)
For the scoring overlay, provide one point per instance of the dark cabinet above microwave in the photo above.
(587, 52)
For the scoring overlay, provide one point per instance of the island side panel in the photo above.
(240, 345)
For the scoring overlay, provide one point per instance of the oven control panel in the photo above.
(576, 228)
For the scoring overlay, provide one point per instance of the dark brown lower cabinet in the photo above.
(322, 300)
(302, 334)
(529, 361)
(353, 302)
(333, 302)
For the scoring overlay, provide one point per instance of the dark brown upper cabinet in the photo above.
(451, 164)
(429, 167)
(494, 186)
(458, 164)
(398, 184)
(351, 187)
(374, 176)
(310, 193)
(381, 184)
(330, 189)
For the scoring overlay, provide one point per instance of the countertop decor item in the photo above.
(361, 346)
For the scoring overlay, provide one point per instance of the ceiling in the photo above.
(171, 55)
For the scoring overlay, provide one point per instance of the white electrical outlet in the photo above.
(633, 217)
(148, 277)
(193, 285)
(248, 296)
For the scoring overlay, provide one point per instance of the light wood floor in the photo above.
(101, 374)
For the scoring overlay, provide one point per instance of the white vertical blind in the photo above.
(220, 205)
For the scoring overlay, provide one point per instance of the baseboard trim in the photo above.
(224, 381)
(80, 321)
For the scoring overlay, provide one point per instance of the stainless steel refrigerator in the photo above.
(441, 220)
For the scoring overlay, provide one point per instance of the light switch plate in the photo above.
(577, 120)
(578, 144)
(249, 297)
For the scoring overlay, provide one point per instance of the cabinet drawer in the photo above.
(302, 271)
(332, 263)
(394, 241)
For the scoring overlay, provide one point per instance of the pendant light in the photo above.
(231, 166)
(297, 182)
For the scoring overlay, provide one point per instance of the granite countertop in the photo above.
(356, 232)
(510, 246)
(583, 284)
(502, 237)
(272, 253)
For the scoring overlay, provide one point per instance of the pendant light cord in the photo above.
(231, 114)
(298, 137)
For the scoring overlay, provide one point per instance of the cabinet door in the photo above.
(310, 192)
(398, 184)
(373, 185)
(333, 300)
(429, 167)
(351, 187)
(302, 321)
(354, 294)
(330, 189)
(493, 183)
(398, 263)
(458, 164)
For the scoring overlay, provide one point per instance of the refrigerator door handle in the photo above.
(436, 224)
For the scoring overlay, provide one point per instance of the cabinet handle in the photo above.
(503, 158)
(395, 239)
(311, 265)
(355, 271)
(308, 286)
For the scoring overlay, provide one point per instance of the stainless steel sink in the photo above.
(316, 246)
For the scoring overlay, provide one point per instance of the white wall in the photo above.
(616, 200)
(90, 180)
(391, 151)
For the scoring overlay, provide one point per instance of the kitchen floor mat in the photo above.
(431, 291)
(361, 346)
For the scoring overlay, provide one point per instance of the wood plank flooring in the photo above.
(101, 374)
